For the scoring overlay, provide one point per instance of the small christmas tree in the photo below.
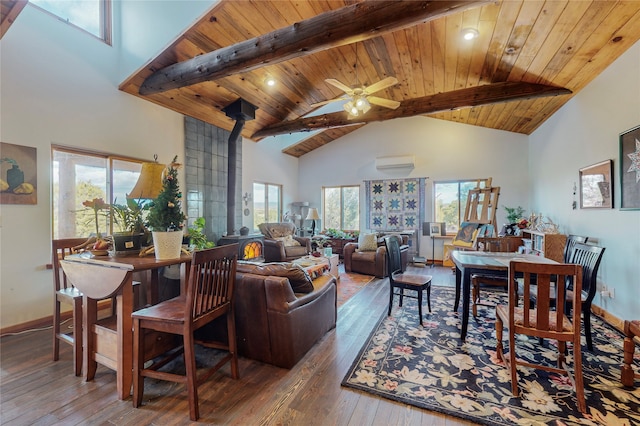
(165, 212)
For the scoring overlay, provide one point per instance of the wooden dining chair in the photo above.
(571, 242)
(209, 295)
(589, 257)
(404, 281)
(542, 322)
(487, 279)
(65, 292)
(631, 331)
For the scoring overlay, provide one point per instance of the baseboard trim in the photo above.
(608, 317)
(46, 322)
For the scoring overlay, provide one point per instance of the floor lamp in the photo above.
(432, 229)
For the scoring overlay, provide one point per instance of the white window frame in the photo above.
(104, 19)
(266, 199)
(71, 212)
(325, 213)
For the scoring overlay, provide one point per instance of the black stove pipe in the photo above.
(241, 111)
(231, 175)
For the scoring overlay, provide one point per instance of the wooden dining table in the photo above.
(478, 262)
(110, 341)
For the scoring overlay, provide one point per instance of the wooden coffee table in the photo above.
(631, 330)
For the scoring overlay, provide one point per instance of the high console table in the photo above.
(110, 341)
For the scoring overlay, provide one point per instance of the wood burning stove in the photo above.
(250, 247)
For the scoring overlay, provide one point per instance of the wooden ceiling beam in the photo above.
(357, 22)
(463, 98)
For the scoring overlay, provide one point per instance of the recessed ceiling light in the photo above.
(270, 81)
(470, 33)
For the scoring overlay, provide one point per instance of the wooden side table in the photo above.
(631, 330)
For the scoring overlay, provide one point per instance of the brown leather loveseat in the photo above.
(276, 325)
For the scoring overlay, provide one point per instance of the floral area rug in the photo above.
(350, 283)
(429, 367)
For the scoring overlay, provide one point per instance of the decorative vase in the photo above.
(15, 177)
(167, 245)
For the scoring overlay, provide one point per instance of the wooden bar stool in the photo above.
(65, 292)
(631, 330)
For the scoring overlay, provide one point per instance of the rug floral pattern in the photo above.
(430, 368)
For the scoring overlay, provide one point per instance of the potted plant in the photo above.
(197, 238)
(130, 219)
(165, 218)
(98, 245)
(514, 214)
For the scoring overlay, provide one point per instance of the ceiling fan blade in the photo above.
(341, 98)
(382, 84)
(387, 103)
(335, 83)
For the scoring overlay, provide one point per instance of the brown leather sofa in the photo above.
(372, 262)
(281, 243)
(276, 325)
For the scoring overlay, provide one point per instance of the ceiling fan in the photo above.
(360, 98)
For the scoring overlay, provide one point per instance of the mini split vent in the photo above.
(395, 162)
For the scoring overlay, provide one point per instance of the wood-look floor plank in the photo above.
(36, 390)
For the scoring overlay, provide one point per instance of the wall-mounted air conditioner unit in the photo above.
(395, 162)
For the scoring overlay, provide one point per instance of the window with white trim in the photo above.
(267, 203)
(79, 176)
(450, 200)
(92, 16)
(341, 207)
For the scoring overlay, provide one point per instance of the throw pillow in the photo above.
(367, 242)
(298, 278)
(288, 241)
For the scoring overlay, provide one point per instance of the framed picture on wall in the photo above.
(18, 174)
(630, 169)
(596, 189)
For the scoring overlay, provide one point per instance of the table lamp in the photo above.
(313, 216)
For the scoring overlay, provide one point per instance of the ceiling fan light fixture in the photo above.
(470, 33)
(361, 101)
(351, 108)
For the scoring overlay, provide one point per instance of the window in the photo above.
(450, 200)
(92, 16)
(341, 207)
(267, 202)
(78, 176)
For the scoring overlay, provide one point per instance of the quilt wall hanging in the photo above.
(395, 205)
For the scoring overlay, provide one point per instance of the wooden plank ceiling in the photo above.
(9, 11)
(564, 44)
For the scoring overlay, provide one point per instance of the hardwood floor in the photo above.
(37, 391)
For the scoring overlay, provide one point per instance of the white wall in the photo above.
(443, 151)
(264, 162)
(59, 87)
(584, 132)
